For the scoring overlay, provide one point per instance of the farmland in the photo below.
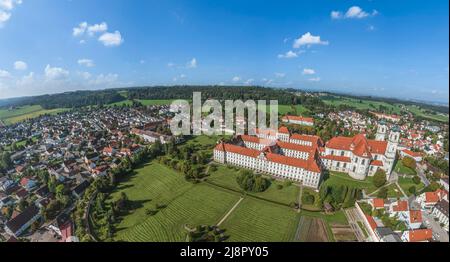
(392, 108)
(19, 114)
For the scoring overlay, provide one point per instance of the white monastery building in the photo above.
(298, 120)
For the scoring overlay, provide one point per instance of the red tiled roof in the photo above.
(299, 118)
(238, 150)
(401, 206)
(433, 197)
(420, 235)
(310, 165)
(358, 144)
(337, 158)
(315, 140)
(283, 130)
(411, 153)
(372, 222)
(255, 139)
(295, 147)
(415, 216)
(376, 163)
(378, 202)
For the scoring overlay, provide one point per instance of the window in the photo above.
(342, 153)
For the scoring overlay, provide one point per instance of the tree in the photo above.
(409, 162)
(416, 180)
(379, 179)
(382, 193)
(412, 190)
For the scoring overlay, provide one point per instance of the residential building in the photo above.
(440, 211)
(298, 120)
(17, 225)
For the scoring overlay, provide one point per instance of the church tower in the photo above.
(391, 151)
(381, 131)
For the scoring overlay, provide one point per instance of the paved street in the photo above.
(438, 233)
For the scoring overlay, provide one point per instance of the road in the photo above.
(353, 217)
(422, 176)
(439, 234)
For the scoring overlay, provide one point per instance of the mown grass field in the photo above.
(259, 221)
(186, 204)
(401, 169)
(337, 178)
(406, 182)
(19, 114)
(226, 176)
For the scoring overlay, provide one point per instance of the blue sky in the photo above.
(386, 48)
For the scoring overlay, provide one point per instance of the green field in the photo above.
(186, 204)
(25, 112)
(337, 178)
(406, 182)
(259, 221)
(143, 102)
(401, 169)
(226, 177)
(375, 105)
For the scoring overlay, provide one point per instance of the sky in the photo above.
(370, 47)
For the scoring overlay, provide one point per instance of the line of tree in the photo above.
(251, 182)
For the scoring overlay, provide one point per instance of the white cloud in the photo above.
(80, 29)
(280, 75)
(308, 39)
(315, 79)
(4, 17)
(336, 14)
(289, 54)
(86, 62)
(97, 28)
(354, 12)
(55, 73)
(26, 80)
(111, 39)
(85, 75)
(170, 64)
(8, 5)
(4, 74)
(308, 71)
(371, 28)
(105, 80)
(192, 63)
(249, 81)
(236, 79)
(20, 65)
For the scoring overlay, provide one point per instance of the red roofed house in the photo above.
(280, 159)
(414, 155)
(377, 203)
(361, 157)
(429, 199)
(298, 120)
(418, 235)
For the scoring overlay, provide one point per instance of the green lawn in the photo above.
(19, 114)
(406, 182)
(147, 102)
(337, 178)
(394, 191)
(186, 204)
(226, 176)
(259, 221)
(401, 169)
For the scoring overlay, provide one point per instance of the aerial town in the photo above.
(55, 159)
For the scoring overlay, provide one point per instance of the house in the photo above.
(109, 151)
(5, 183)
(412, 218)
(7, 201)
(414, 155)
(28, 183)
(444, 183)
(429, 199)
(440, 211)
(298, 120)
(78, 191)
(377, 203)
(23, 221)
(418, 235)
(385, 234)
(399, 206)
